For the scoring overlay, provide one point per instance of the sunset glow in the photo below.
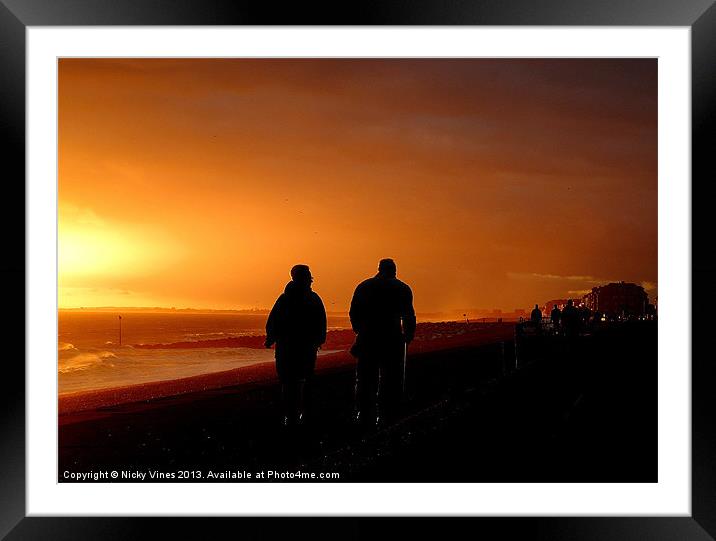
(492, 183)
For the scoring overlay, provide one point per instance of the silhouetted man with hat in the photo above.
(383, 318)
(297, 325)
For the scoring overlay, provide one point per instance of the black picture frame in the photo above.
(16, 15)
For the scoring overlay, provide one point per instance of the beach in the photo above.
(429, 337)
(582, 411)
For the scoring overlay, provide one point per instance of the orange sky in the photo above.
(492, 183)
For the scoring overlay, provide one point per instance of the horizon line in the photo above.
(243, 310)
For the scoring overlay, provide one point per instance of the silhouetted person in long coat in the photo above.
(570, 320)
(383, 318)
(536, 315)
(297, 325)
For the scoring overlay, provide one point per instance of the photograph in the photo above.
(301, 269)
(357, 270)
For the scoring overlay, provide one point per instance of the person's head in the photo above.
(301, 274)
(387, 268)
(536, 307)
(570, 302)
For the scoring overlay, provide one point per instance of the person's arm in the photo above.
(322, 323)
(272, 323)
(409, 320)
(356, 313)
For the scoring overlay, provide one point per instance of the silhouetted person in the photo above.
(536, 316)
(555, 316)
(570, 320)
(297, 325)
(383, 318)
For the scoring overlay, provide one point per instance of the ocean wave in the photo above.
(64, 346)
(84, 361)
(249, 341)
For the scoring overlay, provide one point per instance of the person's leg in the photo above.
(286, 402)
(365, 389)
(391, 385)
(379, 395)
(357, 392)
(300, 405)
(360, 391)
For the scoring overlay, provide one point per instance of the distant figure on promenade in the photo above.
(383, 318)
(536, 315)
(555, 317)
(570, 320)
(297, 325)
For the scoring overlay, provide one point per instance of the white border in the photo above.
(670, 496)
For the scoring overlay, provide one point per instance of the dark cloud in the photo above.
(493, 166)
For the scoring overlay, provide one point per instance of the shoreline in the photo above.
(430, 340)
(262, 372)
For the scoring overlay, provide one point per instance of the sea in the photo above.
(90, 356)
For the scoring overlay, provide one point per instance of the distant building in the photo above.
(618, 299)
